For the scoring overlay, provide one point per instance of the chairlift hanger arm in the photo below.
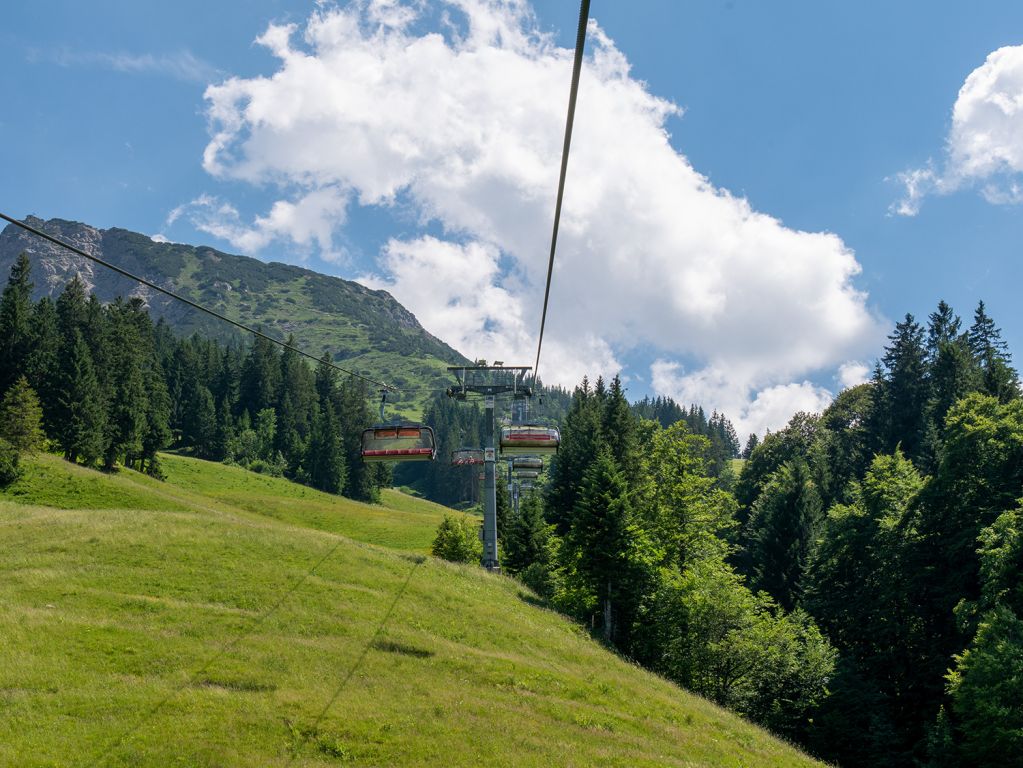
(486, 380)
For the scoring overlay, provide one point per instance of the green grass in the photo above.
(401, 522)
(51, 482)
(228, 623)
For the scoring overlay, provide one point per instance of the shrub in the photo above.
(457, 540)
(538, 577)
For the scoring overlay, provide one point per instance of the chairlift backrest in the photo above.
(527, 474)
(399, 442)
(529, 440)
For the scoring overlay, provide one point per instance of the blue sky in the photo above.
(808, 111)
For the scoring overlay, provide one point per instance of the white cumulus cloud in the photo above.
(750, 408)
(464, 126)
(306, 221)
(984, 148)
(853, 373)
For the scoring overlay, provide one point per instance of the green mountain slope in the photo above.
(221, 618)
(364, 330)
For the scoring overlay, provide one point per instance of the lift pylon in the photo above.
(490, 381)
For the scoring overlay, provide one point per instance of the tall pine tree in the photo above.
(15, 324)
(80, 404)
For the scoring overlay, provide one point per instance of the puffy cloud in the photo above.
(310, 219)
(457, 293)
(985, 144)
(853, 373)
(464, 127)
(750, 407)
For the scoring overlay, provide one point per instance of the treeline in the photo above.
(861, 590)
(115, 388)
(724, 442)
(893, 520)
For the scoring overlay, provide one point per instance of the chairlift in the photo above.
(464, 457)
(402, 441)
(529, 440)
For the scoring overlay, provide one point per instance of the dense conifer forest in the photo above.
(114, 388)
(856, 587)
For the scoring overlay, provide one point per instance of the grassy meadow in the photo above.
(223, 618)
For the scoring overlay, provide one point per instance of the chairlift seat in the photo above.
(401, 442)
(464, 457)
(529, 440)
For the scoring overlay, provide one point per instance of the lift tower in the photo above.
(489, 381)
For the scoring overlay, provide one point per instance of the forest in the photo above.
(113, 388)
(857, 587)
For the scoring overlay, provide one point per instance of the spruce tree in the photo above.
(985, 337)
(942, 327)
(324, 461)
(618, 428)
(225, 431)
(80, 404)
(751, 444)
(43, 365)
(71, 308)
(580, 442)
(907, 388)
(782, 530)
(97, 332)
(202, 423)
(954, 374)
(15, 324)
(527, 537)
(362, 480)
(21, 417)
(126, 412)
(261, 376)
(606, 549)
(999, 378)
(157, 434)
(295, 402)
(325, 379)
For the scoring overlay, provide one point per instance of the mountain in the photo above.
(363, 330)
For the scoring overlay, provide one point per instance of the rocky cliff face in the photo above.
(368, 328)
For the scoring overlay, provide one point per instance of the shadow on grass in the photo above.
(237, 686)
(533, 600)
(390, 646)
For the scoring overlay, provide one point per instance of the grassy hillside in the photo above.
(223, 618)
